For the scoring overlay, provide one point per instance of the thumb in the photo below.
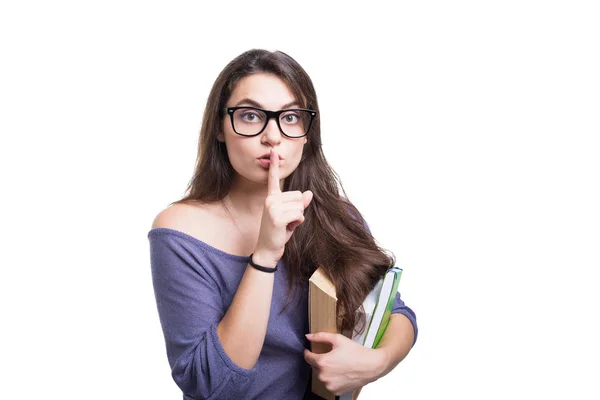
(323, 337)
(307, 197)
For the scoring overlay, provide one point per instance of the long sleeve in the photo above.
(190, 306)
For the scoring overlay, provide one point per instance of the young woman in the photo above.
(231, 260)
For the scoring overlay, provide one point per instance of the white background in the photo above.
(466, 133)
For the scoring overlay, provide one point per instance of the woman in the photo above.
(235, 325)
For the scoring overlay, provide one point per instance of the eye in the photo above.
(250, 116)
(290, 118)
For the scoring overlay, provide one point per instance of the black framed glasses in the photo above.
(251, 121)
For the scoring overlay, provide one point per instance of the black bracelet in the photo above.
(260, 268)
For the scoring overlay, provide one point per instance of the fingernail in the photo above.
(309, 335)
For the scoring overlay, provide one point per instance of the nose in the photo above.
(271, 134)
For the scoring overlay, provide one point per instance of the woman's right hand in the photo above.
(283, 212)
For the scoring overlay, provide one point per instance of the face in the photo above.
(271, 93)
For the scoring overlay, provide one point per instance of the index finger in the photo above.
(273, 183)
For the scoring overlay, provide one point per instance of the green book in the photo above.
(394, 275)
(378, 308)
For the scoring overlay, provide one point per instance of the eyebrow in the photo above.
(254, 103)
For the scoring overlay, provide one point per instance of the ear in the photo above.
(220, 137)
(305, 139)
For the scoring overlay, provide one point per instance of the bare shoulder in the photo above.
(208, 223)
(182, 217)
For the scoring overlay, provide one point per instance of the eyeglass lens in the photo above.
(248, 121)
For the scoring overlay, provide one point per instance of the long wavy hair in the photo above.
(333, 235)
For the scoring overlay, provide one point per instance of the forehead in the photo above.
(267, 89)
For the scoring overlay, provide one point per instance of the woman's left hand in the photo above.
(349, 365)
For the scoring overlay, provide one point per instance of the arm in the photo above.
(242, 331)
(349, 365)
(217, 364)
(190, 308)
(398, 339)
(395, 343)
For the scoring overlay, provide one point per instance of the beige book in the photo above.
(322, 302)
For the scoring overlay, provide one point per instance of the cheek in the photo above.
(233, 150)
(299, 150)
(239, 151)
(297, 155)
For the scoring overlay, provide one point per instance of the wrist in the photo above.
(381, 360)
(264, 259)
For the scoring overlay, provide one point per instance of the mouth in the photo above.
(266, 163)
(266, 156)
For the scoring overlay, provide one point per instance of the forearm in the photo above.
(395, 343)
(243, 328)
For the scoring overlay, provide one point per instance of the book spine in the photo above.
(388, 310)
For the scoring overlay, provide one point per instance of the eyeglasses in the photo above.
(251, 121)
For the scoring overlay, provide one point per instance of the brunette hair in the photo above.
(333, 234)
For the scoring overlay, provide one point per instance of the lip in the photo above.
(267, 156)
(265, 162)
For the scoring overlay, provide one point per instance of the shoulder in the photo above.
(183, 217)
(172, 217)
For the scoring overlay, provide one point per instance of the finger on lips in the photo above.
(273, 184)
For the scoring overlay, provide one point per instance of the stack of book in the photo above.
(322, 317)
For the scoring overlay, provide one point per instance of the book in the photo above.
(322, 317)
(378, 309)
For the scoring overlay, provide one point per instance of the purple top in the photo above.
(194, 284)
